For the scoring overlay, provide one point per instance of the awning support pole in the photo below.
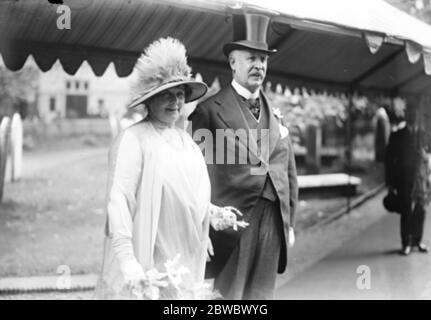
(349, 127)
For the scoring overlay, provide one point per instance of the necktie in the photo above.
(254, 106)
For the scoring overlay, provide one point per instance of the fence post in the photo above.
(314, 149)
(114, 125)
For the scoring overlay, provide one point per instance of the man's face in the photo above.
(399, 108)
(249, 68)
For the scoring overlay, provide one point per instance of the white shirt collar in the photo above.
(243, 92)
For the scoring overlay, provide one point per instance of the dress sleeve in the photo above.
(125, 170)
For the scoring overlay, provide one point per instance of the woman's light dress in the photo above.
(157, 205)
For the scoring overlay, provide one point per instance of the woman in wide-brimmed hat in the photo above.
(158, 197)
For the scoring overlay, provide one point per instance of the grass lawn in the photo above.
(54, 216)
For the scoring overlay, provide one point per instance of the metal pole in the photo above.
(349, 127)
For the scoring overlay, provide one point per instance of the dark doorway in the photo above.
(76, 106)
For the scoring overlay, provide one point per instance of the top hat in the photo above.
(162, 66)
(249, 33)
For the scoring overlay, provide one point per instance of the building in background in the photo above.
(82, 95)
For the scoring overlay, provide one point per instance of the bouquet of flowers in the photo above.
(170, 285)
(225, 217)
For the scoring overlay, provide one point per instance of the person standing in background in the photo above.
(406, 175)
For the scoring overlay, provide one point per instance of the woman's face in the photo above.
(165, 107)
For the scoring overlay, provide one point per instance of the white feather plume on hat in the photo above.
(163, 65)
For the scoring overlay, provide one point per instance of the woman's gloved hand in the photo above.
(132, 272)
(222, 218)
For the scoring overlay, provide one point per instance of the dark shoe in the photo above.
(405, 251)
(422, 248)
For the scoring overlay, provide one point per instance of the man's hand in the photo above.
(291, 237)
(210, 250)
(133, 273)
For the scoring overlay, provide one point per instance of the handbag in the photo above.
(392, 202)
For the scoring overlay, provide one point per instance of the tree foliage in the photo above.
(420, 9)
(17, 88)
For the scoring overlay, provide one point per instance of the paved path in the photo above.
(374, 254)
(323, 264)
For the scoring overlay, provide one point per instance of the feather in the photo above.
(163, 61)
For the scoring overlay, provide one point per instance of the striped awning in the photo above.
(340, 45)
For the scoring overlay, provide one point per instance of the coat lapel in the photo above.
(230, 112)
(274, 131)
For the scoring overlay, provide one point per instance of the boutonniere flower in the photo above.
(284, 132)
(277, 113)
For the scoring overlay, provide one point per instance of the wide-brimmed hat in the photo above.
(162, 66)
(249, 33)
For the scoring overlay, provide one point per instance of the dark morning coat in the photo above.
(233, 184)
(401, 159)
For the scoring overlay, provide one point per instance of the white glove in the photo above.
(129, 266)
(291, 237)
(132, 272)
(223, 218)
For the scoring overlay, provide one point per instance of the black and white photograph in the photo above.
(217, 150)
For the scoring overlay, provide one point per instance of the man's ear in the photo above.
(231, 61)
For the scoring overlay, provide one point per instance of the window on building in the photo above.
(52, 104)
(67, 84)
(86, 85)
(77, 85)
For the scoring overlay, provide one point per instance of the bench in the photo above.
(324, 185)
(327, 157)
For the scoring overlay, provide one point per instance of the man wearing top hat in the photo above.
(264, 187)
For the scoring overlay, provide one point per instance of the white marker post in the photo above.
(16, 147)
(4, 150)
(114, 125)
